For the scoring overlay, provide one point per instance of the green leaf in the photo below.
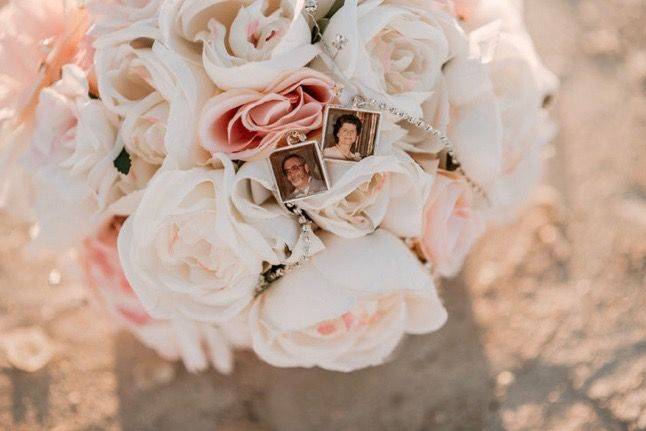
(123, 162)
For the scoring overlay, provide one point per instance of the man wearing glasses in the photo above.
(299, 175)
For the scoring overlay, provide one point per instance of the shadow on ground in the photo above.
(30, 391)
(438, 381)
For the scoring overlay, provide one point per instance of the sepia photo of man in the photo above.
(299, 171)
(299, 174)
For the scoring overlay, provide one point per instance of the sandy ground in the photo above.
(547, 329)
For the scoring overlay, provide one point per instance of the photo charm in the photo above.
(299, 171)
(349, 134)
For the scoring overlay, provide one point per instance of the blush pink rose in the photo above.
(104, 276)
(37, 38)
(248, 124)
(451, 225)
(197, 344)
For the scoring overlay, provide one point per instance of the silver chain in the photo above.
(278, 271)
(361, 101)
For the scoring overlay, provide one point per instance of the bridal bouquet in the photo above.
(283, 176)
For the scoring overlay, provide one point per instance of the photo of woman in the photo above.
(349, 135)
(347, 129)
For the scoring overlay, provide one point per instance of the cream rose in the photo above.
(158, 93)
(196, 343)
(185, 252)
(71, 157)
(144, 129)
(242, 44)
(350, 317)
(364, 193)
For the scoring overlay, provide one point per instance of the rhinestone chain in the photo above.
(360, 101)
(278, 271)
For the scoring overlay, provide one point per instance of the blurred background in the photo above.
(547, 323)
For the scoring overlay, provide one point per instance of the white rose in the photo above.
(513, 50)
(520, 89)
(520, 80)
(348, 307)
(363, 193)
(184, 251)
(394, 50)
(159, 94)
(71, 156)
(242, 44)
(521, 84)
(514, 185)
(452, 89)
(196, 343)
(254, 196)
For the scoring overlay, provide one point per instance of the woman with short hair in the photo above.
(347, 130)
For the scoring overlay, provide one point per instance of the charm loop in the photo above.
(295, 137)
(358, 101)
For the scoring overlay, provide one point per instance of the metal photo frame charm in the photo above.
(350, 134)
(299, 171)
